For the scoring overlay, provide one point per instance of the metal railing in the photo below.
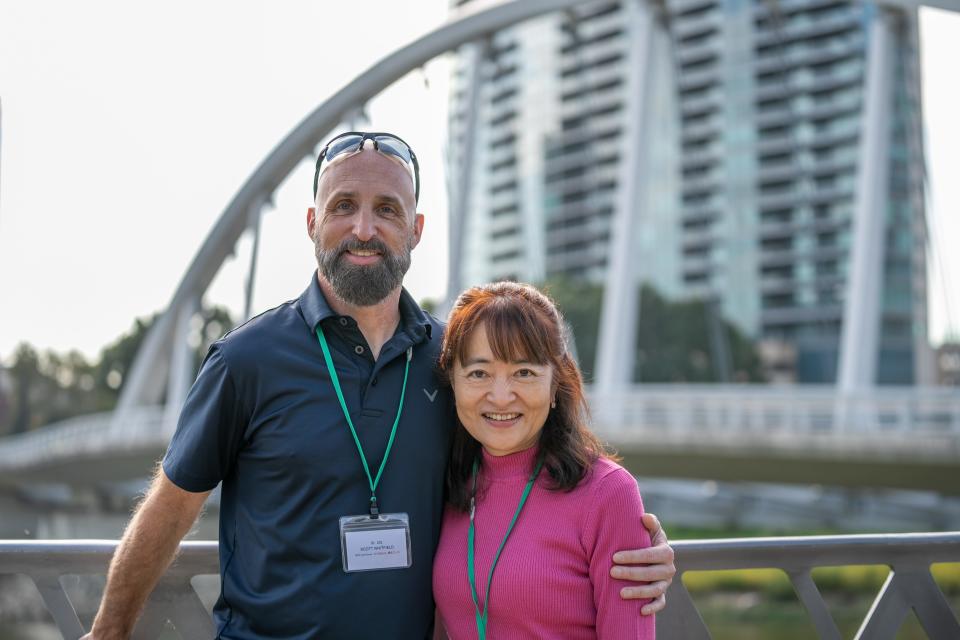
(920, 422)
(909, 585)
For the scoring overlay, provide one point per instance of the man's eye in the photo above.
(343, 205)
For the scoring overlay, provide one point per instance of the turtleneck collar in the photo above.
(510, 466)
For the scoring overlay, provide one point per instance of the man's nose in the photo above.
(364, 225)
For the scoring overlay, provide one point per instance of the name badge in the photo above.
(375, 544)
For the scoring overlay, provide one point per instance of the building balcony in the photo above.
(680, 7)
(771, 144)
(502, 224)
(592, 29)
(804, 28)
(801, 55)
(778, 257)
(790, 7)
(767, 117)
(808, 83)
(702, 24)
(589, 181)
(710, 103)
(699, 241)
(773, 230)
(591, 103)
(597, 77)
(791, 316)
(772, 172)
(699, 53)
(702, 184)
(594, 56)
(701, 160)
(591, 254)
(698, 79)
(605, 126)
(703, 129)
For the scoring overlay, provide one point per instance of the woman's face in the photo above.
(503, 405)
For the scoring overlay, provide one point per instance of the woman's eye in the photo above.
(476, 374)
(526, 373)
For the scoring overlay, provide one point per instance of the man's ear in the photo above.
(311, 220)
(417, 228)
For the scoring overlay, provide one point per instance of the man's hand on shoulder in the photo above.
(653, 565)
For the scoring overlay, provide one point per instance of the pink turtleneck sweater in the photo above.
(553, 578)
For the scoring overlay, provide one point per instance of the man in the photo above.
(316, 415)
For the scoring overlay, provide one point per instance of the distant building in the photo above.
(749, 171)
(948, 364)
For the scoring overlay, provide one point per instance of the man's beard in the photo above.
(362, 285)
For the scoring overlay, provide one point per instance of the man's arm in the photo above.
(655, 568)
(148, 546)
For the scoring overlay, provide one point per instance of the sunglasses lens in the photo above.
(389, 144)
(341, 145)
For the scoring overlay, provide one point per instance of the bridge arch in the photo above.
(163, 357)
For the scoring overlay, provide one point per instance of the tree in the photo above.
(673, 342)
(580, 303)
(51, 387)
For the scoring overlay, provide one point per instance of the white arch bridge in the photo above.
(855, 435)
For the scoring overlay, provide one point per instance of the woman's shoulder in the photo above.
(606, 477)
(605, 470)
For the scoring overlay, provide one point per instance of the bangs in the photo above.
(515, 332)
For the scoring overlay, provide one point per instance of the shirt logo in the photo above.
(429, 395)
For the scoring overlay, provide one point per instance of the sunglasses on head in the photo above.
(387, 143)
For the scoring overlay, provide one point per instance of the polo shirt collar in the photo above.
(315, 309)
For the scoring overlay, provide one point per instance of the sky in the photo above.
(128, 127)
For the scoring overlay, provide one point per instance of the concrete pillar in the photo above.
(618, 320)
(459, 185)
(860, 336)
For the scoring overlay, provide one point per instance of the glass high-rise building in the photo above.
(744, 180)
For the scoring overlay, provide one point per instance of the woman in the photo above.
(536, 510)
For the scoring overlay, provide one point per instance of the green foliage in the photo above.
(772, 583)
(49, 387)
(851, 580)
(580, 303)
(673, 337)
(673, 343)
(430, 306)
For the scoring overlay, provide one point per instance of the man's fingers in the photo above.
(652, 524)
(641, 573)
(661, 554)
(655, 605)
(643, 591)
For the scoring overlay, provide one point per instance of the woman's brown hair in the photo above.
(521, 323)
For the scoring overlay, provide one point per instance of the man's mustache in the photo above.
(355, 244)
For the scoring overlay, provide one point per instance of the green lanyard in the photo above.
(374, 509)
(471, 572)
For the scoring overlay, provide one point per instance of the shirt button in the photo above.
(374, 381)
(358, 349)
(343, 322)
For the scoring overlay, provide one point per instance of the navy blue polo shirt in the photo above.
(263, 419)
